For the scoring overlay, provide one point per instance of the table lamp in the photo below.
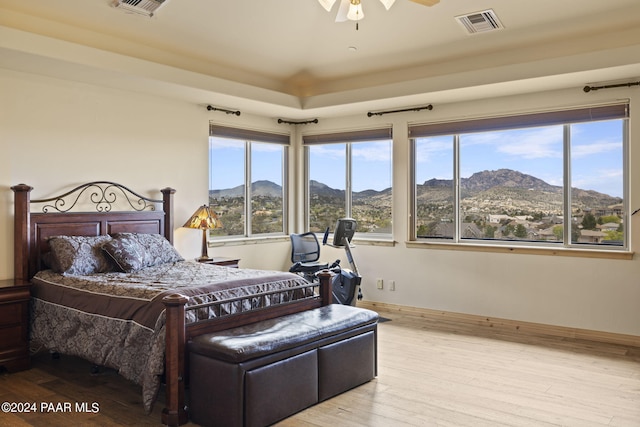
(204, 219)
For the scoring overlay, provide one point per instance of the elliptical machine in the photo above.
(345, 283)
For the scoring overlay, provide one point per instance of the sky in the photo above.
(596, 153)
(227, 163)
(371, 164)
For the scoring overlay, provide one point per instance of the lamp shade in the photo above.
(355, 11)
(204, 219)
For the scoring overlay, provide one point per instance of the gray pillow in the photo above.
(134, 251)
(79, 255)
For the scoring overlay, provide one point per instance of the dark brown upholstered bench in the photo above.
(258, 374)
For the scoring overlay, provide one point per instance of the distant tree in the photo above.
(614, 235)
(520, 231)
(427, 230)
(575, 233)
(508, 230)
(589, 221)
(537, 216)
(609, 218)
(490, 232)
(558, 231)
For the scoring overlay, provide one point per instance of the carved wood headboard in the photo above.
(56, 217)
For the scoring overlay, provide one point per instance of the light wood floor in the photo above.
(430, 373)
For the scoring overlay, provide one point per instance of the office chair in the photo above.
(305, 253)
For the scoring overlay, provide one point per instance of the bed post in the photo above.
(325, 286)
(175, 412)
(21, 230)
(167, 206)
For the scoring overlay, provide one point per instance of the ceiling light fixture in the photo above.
(351, 10)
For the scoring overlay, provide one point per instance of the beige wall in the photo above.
(55, 134)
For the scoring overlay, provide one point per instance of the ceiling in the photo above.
(289, 58)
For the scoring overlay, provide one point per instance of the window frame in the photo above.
(246, 137)
(347, 138)
(564, 117)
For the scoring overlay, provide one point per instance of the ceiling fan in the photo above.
(352, 9)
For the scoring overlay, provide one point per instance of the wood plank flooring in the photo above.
(431, 372)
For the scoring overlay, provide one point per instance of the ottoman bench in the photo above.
(258, 374)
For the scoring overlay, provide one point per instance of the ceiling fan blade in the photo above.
(387, 3)
(426, 2)
(327, 4)
(343, 10)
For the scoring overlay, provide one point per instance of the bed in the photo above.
(118, 294)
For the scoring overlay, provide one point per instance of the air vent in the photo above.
(142, 7)
(480, 22)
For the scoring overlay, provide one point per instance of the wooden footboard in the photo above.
(178, 334)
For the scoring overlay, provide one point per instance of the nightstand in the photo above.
(227, 262)
(14, 325)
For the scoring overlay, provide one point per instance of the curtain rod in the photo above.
(590, 88)
(212, 108)
(380, 113)
(304, 122)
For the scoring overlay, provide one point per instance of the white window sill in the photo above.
(373, 241)
(237, 241)
(528, 250)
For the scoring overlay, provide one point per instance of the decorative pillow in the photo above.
(133, 251)
(126, 253)
(49, 261)
(79, 255)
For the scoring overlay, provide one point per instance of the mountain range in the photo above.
(259, 188)
(488, 185)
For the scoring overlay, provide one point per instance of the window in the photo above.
(349, 175)
(549, 179)
(238, 157)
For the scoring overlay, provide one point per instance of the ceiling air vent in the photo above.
(480, 22)
(142, 7)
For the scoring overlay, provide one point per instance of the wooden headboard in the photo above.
(55, 217)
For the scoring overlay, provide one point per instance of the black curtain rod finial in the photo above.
(212, 108)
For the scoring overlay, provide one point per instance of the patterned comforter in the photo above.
(117, 319)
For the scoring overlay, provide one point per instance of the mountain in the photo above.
(435, 182)
(266, 189)
(486, 180)
(372, 194)
(259, 188)
(509, 189)
(499, 188)
(320, 189)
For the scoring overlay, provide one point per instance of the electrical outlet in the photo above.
(379, 283)
(392, 285)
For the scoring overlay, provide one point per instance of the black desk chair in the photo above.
(305, 253)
